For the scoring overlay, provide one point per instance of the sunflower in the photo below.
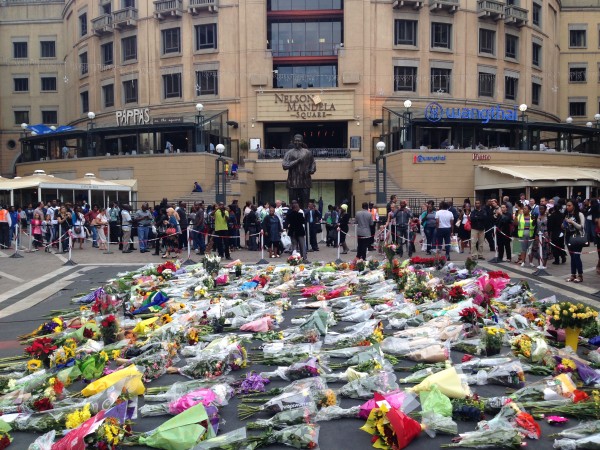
(33, 365)
(166, 319)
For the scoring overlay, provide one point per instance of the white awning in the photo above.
(507, 177)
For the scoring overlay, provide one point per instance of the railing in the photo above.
(168, 5)
(124, 15)
(490, 5)
(11, 2)
(101, 22)
(293, 50)
(444, 2)
(516, 12)
(204, 2)
(320, 153)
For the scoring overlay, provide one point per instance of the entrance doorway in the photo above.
(316, 134)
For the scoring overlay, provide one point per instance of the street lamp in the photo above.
(90, 128)
(407, 119)
(24, 131)
(199, 128)
(597, 119)
(569, 120)
(523, 108)
(380, 173)
(220, 176)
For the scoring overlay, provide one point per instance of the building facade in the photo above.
(132, 78)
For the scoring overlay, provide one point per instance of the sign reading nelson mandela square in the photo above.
(434, 112)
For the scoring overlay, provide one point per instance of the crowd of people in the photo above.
(532, 233)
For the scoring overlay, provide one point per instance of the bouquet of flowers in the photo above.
(456, 294)
(217, 395)
(41, 350)
(373, 264)
(313, 366)
(433, 261)
(109, 329)
(212, 264)
(363, 388)
(288, 417)
(303, 436)
(570, 315)
(283, 402)
(5, 438)
(508, 438)
(214, 364)
(295, 259)
(492, 340)
(105, 304)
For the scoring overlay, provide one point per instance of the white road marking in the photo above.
(31, 284)
(11, 277)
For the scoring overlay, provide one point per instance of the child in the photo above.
(47, 228)
(36, 231)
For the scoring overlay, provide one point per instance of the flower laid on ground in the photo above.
(456, 294)
(34, 365)
(78, 416)
(471, 315)
(295, 259)
(492, 340)
(570, 315)
(109, 329)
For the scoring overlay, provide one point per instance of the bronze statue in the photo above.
(300, 164)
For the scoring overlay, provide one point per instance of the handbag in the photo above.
(171, 231)
(467, 226)
(77, 229)
(578, 242)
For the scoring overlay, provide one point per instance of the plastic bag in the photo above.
(454, 247)
(286, 241)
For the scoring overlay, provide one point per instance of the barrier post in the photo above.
(189, 260)
(541, 269)
(495, 258)
(262, 250)
(323, 232)
(16, 253)
(70, 261)
(338, 260)
(355, 237)
(30, 237)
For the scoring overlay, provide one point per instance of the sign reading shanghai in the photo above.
(434, 112)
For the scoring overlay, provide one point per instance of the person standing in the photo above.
(478, 219)
(143, 218)
(574, 225)
(296, 229)
(272, 228)
(314, 226)
(343, 226)
(429, 223)
(464, 229)
(114, 219)
(503, 222)
(126, 227)
(100, 223)
(90, 216)
(5, 223)
(542, 229)
(364, 221)
(375, 215)
(525, 224)
(402, 217)
(557, 236)
(36, 231)
(444, 226)
(251, 226)
(222, 231)
(199, 230)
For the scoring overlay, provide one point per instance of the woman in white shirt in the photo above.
(444, 220)
(100, 222)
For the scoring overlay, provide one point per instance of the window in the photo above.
(128, 3)
(129, 48)
(48, 49)
(207, 82)
(49, 117)
(85, 101)
(21, 117)
(487, 82)
(21, 84)
(511, 46)
(487, 41)
(440, 80)
(106, 53)
(536, 56)
(19, 49)
(577, 109)
(206, 36)
(108, 95)
(537, 15)
(171, 40)
(577, 39)
(106, 8)
(405, 79)
(172, 85)
(83, 24)
(309, 37)
(441, 35)
(130, 91)
(48, 84)
(536, 93)
(511, 87)
(302, 5)
(405, 32)
(287, 76)
(577, 74)
(83, 64)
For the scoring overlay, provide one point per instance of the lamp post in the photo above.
(407, 119)
(380, 174)
(220, 177)
(90, 129)
(523, 108)
(24, 127)
(199, 128)
(569, 121)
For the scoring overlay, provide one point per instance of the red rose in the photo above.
(4, 442)
(43, 404)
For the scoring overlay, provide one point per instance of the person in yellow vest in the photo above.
(222, 231)
(5, 224)
(525, 224)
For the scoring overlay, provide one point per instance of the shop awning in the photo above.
(89, 181)
(509, 177)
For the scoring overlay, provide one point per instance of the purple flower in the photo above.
(253, 383)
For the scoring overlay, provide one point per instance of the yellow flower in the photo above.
(166, 319)
(77, 417)
(104, 355)
(116, 354)
(34, 365)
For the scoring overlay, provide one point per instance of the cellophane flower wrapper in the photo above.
(303, 436)
(303, 414)
(582, 430)
(420, 375)
(513, 415)
(483, 363)
(311, 367)
(335, 412)
(217, 395)
(433, 401)
(234, 440)
(372, 353)
(44, 442)
(363, 388)
(356, 314)
(181, 388)
(319, 321)
(350, 374)
(449, 381)
(403, 346)
(435, 423)
(397, 399)
(509, 375)
(588, 442)
(154, 365)
(343, 352)
(430, 354)
(501, 438)
(287, 401)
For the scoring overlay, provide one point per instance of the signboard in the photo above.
(429, 159)
(481, 157)
(136, 116)
(167, 120)
(435, 112)
(304, 105)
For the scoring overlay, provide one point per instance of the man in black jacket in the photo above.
(557, 237)
(478, 221)
(296, 229)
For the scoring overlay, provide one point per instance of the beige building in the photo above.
(103, 86)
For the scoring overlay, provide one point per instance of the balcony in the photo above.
(197, 6)
(415, 4)
(491, 9)
(125, 18)
(102, 24)
(515, 16)
(318, 153)
(450, 6)
(163, 9)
